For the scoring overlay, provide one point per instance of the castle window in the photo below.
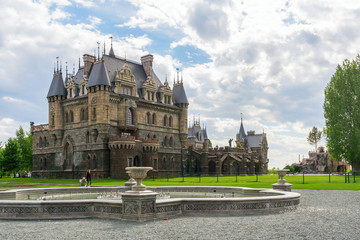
(170, 121)
(82, 114)
(171, 142)
(40, 142)
(129, 117)
(70, 90)
(165, 141)
(148, 93)
(154, 119)
(126, 91)
(152, 96)
(52, 120)
(94, 114)
(86, 115)
(148, 117)
(71, 116)
(83, 89)
(88, 137)
(165, 121)
(66, 117)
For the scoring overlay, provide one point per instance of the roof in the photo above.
(57, 87)
(79, 75)
(98, 75)
(254, 140)
(205, 134)
(179, 95)
(113, 65)
(242, 131)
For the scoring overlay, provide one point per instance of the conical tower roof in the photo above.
(98, 75)
(179, 95)
(57, 87)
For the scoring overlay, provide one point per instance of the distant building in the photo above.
(247, 157)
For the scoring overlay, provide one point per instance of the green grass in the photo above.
(315, 182)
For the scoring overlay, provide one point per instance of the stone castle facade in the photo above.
(111, 114)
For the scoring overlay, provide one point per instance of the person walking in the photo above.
(88, 178)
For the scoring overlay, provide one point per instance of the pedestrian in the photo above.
(83, 182)
(88, 178)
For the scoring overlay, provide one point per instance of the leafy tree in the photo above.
(342, 113)
(11, 156)
(290, 168)
(25, 141)
(209, 143)
(314, 136)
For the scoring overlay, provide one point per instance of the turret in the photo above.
(57, 92)
(180, 100)
(99, 94)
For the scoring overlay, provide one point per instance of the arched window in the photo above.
(155, 164)
(83, 89)
(148, 136)
(71, 116)
(154, 119)
(44, 162)
(170, 121)
(165, 141)
(165, 121)
(88, 137)
(94, 114)
(148, 118)
(52, 120)
(45, 142)
(82, 114)
(66, 117)
(154, 136)
(94, 162)
(40, 142)
(86, 115)
(129, 117)
(171, 142)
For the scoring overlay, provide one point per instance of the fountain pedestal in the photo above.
(139, 204)
(281, 184)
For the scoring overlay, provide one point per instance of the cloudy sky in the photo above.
(269, 60)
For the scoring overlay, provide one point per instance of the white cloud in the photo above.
(8, 127)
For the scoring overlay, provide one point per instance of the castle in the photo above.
(115, 113)
(111, 114)
(247, 157)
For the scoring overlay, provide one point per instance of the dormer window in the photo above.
(126, 91)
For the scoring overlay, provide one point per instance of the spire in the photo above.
(111, 52)
(54, 69)
(60, 67)
(79, 62)
(57, 64)
(98, 51)
(57, 87)
(242, 131)
(66, 70)
(177, 75)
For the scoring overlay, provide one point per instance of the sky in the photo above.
(269, 60)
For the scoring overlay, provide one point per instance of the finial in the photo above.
(166, 77)
(241, 117)
(104, 47)
(125, 58)
(111, 40)
(74, 69)
(94, 52)
(54, 69)
(182, 80)
(66, 70)
(57, 64)
(79, 62)
(177, 73)
(98, 50)
(60, 67)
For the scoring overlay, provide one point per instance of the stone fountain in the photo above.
(281, 184)
(138, 203)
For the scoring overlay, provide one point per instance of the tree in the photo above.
(314, 137)
(290, 168)
(11, 156)
(342, 113)
(25, 141)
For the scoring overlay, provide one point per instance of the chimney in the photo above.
(251, 133)
(147, 61)
(88, 62)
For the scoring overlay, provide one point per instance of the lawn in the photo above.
(315, 182)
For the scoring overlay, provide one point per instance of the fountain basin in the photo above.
(258, 201)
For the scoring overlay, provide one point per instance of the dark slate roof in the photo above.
(179, 95)
(57, 87)
(205, 134)
(254, 140)
(242, 131)
(111, 52)
(99, 75)
(79, 75)
(113, 65)
(190, 132)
